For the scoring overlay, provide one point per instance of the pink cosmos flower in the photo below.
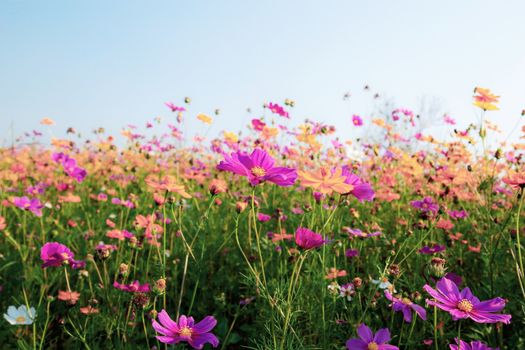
(263, 217)
(406, 306)
(356, 120)
(258, 124)
(258, 167)
(174, 108)
(33, 205)
(449, 120)
(368, 341)
(464, 304)
(427, 204)
(275, 108)
(70, 166)
(55, 254)
(134, 287)
(186, 330)
(307, 239)
(474, 345)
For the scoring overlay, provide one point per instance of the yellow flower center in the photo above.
(20, 319)
(406, 301)
(65, 255)
(185, 332)
(372, 346)
(465, 305)
(258, 171)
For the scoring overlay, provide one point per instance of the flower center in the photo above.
(372, 346)
(258, 171)
(64, 256)
(185, 332)
(406, 301)
(465, 305)
(20, 319)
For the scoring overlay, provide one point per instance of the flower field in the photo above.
(277, 237)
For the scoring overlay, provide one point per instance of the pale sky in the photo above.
(112, 63)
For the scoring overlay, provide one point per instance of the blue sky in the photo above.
(112, 63)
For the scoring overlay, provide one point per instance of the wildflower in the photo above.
(2, 223)
(276, 109)
(185, 329)
(425, 205)
(205, 119)
(55, 254)
(70, 166)
(360, 189)
(449, 120)
(258, 167)
(383, 283)
(263, 217)
(326, 181)
(474, 345)
(356, 120)
(405, 305)
(350, 253)
(134, 287)
(70, 297)
(334, 288)
(175, 108)
(436, 248)
(308, 239)
(437, 267)
(217, 186)
(464, 304)
(20, 316)
(485, 99)
(458, 214)
(370, 341)
(47, 121)
(515, 180)
(347, 291)
(334, 273)
(88, 310)
(33, 205)
(167, 183)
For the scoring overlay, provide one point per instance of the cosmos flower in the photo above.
(464, 304)
(369, 341)
(406, 306)
(175, 108)
(474, 345)
(356, 120)
(325, 181)
(70, 166)
(515, 180)
(54, 254)
(33, 205)
(334, 273)
(69, 297)
(427, 204)
(308, 239)
(258, 167)
(263, 217)
(360, 189)
(276, 109)
(436, 248)
(134, 287)
(347, 291)
(185, 330)
(205, 119)
(485, 100)
(20, 316)
(166, 183)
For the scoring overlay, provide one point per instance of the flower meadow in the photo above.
(276, 237)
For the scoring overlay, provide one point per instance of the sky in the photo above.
(90, 64)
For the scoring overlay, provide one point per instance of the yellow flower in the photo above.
(47, 121)
(205, 119)
(485, 99)
(324, 181)
(230, 137)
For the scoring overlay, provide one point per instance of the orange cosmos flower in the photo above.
(2, 223)
(485, 99)
(167, 183)
(47, 121)
(70, 297)
(325, 181)
(515, 180)
(205, 119)
(88, 310)
(333, 273)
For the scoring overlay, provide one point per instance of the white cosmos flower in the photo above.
(20, 316)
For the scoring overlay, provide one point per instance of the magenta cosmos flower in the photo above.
(279, 110)
(54, 254)
(307, 239)
(360, 189)
(427, 204)
(258, 167)
(369, 341)
(134, 287)
(356, 120)
(33, 205)
(406, 306)
(474, 345)
(185, 329)
(464, 304)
